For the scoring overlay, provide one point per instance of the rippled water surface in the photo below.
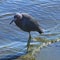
(13, 40)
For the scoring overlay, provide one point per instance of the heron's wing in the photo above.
(30, 24)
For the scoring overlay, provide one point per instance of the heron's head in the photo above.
(17, 16)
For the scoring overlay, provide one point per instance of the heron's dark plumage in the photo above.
(27, 23)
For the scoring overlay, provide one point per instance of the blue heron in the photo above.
(27, 23)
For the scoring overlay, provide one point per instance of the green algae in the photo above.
(35, 49)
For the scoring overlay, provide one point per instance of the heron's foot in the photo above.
(28, 49)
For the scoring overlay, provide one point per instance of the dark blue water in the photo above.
(13, 40)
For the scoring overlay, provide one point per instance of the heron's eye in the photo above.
(15, 16)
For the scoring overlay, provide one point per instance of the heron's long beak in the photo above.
(11, 21)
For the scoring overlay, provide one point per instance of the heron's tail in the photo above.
(40, 31)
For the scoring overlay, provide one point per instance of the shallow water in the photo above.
(12, 39)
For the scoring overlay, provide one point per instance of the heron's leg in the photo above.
(28, 43)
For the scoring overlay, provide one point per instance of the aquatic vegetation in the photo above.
(26, 57)
(45, 43)
(34, 50)
(43, 40)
